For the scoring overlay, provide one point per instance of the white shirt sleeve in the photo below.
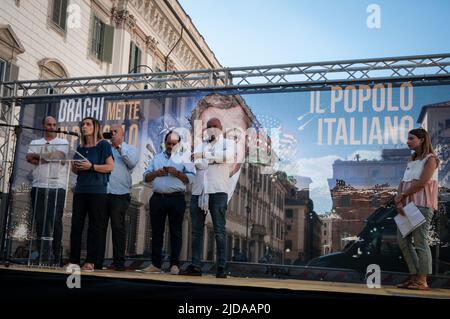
(30, 148)
(200, 163)
(223, 154)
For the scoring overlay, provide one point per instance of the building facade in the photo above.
(303, 228)
(73, 38)
(360, 173)
(255, 216)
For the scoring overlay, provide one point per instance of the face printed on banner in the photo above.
(233, 126)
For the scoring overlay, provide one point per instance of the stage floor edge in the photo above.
(276, 284)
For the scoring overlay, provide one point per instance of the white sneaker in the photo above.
(150, 270)
(174, 270)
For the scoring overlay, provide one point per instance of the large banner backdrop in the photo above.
(307, 131)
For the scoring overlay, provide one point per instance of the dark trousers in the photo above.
(48, 209)
(217, 208)
(161, 207)
(93, 206)
(116, 209)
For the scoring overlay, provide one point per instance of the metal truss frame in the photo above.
(419, 69)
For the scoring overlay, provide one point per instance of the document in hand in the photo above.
(413, 219)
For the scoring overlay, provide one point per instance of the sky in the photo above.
(264, 32)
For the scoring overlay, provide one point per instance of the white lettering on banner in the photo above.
(355, 99)
(373, 130)
(74, 110)
(364, 130)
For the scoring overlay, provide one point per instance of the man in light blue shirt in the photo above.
(169, 173)
(119, 188)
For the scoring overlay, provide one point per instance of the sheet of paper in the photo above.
(413, 219)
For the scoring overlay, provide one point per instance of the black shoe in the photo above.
(191, 270)
(120, 268)
(221, 273)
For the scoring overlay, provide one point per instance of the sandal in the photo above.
(405, 284)
(88, 267)
(417, 286)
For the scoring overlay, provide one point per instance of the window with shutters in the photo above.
(58, 13)
(2, 70)
(10, 48)
(102, 39)
(8, 72)
(135, 59)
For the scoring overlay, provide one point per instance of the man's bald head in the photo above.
(118, 134)
(118, 128)
(213, 129)
(48, 119)
(49, 125)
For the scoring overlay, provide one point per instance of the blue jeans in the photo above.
(217, 208)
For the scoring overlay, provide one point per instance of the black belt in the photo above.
(169, 194)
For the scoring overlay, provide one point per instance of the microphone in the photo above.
(67, 132)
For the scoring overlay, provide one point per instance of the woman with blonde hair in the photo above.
(420, 186)
(90, 192)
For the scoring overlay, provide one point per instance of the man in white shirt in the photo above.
(213, 162)
(48, 191)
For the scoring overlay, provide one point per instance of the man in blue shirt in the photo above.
(169, 172)
(119, 188)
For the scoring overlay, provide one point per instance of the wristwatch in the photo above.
(92, 167)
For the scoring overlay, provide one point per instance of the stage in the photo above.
(35, 283)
